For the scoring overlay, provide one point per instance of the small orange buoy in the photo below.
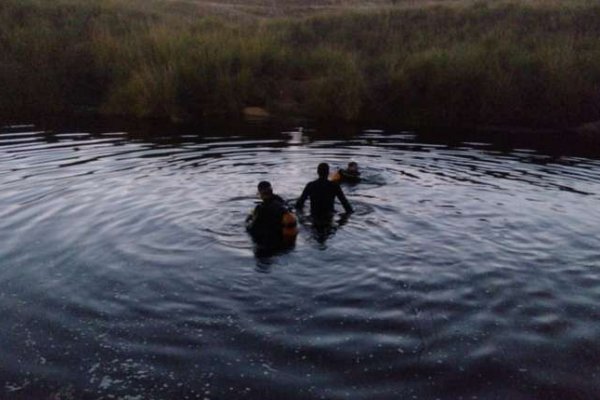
(337, 177)
(290, 227)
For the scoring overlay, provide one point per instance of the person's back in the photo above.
(265, 224)
(322, 194)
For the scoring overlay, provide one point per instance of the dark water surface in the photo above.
(466, 272)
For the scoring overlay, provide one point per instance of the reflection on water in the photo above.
(322, 229)
(467, 271)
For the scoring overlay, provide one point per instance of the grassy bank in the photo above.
(533, 63)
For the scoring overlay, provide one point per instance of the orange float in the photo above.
(289, 223)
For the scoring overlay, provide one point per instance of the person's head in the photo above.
(265, 190)
(323, 170)
(352, 167)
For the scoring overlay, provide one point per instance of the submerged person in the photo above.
(271, 224)
(350, 175)
(322, 193)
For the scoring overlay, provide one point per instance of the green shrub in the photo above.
(514, 62)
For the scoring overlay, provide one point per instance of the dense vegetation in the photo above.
(522, 62)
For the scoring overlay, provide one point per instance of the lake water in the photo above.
(467, 272)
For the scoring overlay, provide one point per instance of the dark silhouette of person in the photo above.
(266, 223)
(349, 175)
(322, 193)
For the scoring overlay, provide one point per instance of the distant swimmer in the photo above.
(271, 224)
(322, 193)
(349, 175)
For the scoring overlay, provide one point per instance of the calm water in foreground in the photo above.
(466, 272)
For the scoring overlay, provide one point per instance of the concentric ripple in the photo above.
(466, 272)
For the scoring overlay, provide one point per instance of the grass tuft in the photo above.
(516, 62)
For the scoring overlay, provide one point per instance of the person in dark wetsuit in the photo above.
(265, 223)
(349, 175)
(322, 193)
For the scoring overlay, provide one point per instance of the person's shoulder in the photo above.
(337, 187)
(280, 203)
(350, 177)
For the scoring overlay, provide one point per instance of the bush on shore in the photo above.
(519, 63)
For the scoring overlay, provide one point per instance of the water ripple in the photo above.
(466, 271)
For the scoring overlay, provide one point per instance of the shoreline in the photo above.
(557, 141)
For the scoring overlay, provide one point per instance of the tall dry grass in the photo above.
(495, 62)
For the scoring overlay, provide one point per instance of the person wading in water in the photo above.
(271, 224)
(349, 175)
(322, 194)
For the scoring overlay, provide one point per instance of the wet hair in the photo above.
(352, 164)
(265, 187)
(323, 170)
